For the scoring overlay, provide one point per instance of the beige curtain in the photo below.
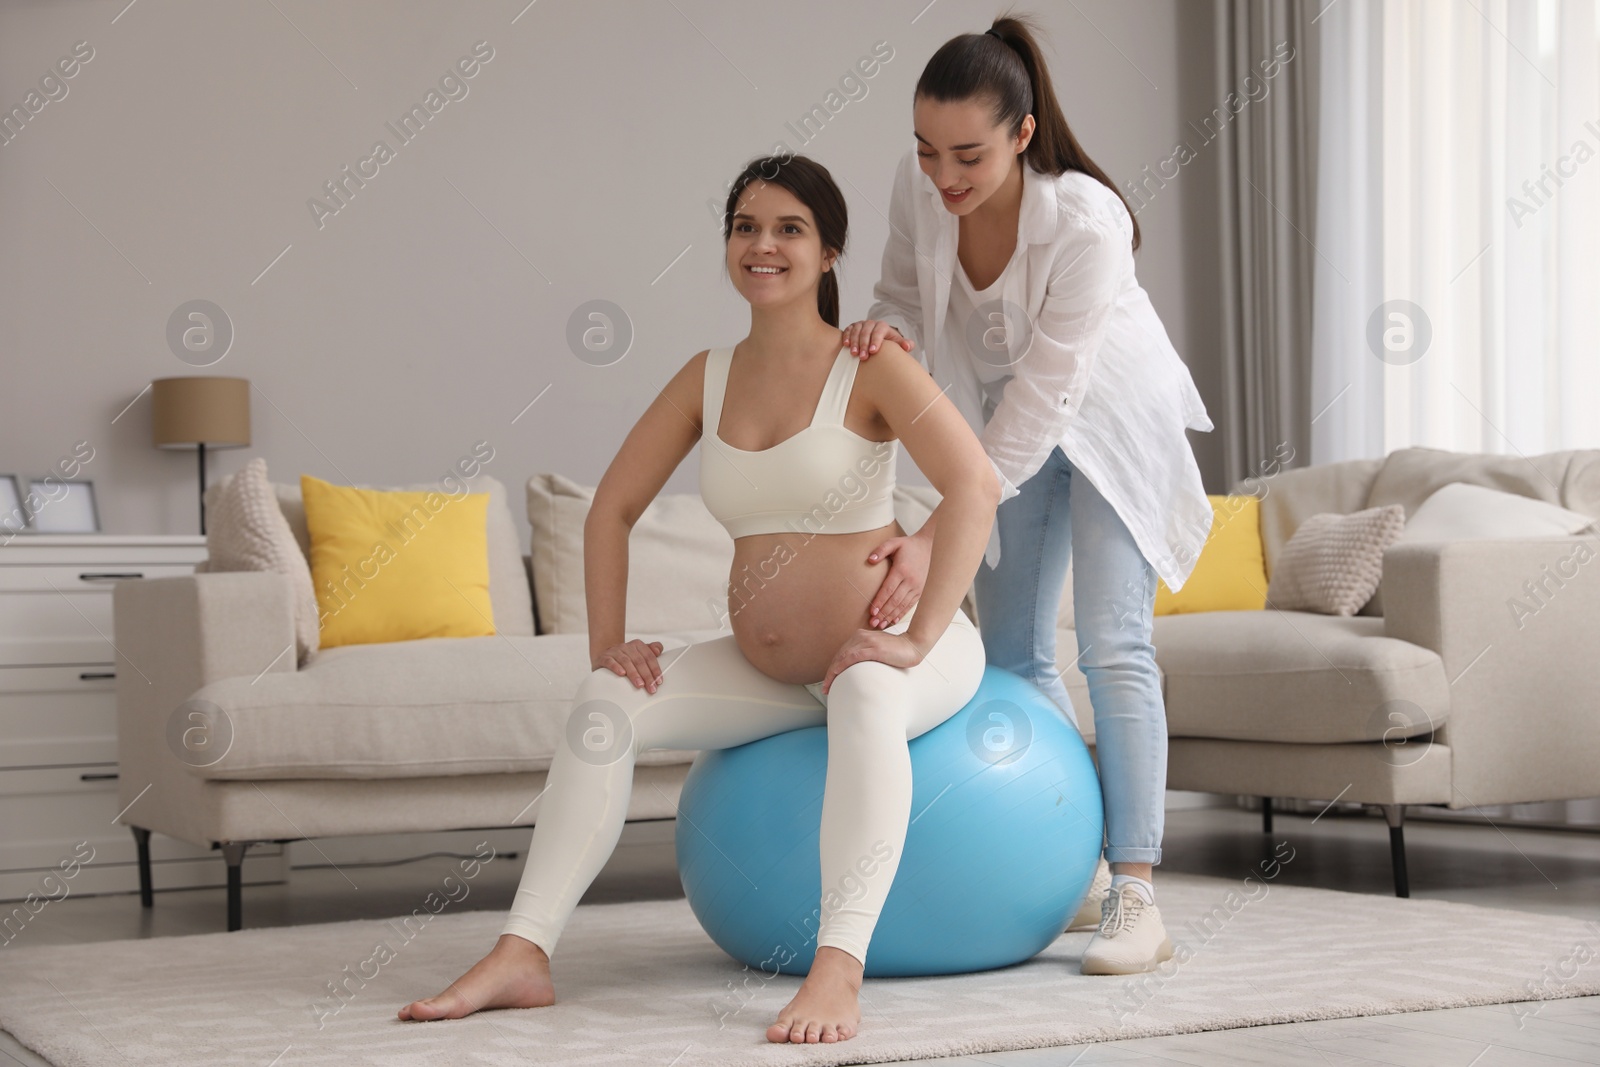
(1266, 122)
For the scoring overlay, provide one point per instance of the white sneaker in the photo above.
(1131, 938)
(1088, 917)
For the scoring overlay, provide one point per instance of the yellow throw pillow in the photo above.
(396, 566)
(1231, 573)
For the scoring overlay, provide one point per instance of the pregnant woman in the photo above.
(797, 454)
(1009, 269)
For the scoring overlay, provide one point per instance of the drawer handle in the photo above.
(108, 576)
(110, 776)
(95, 676)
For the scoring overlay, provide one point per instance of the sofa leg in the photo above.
(233, 854)
(1266, 816)
(1395, 815)
(141, 841)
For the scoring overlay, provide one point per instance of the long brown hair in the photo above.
(813, 186)
(1010, 71)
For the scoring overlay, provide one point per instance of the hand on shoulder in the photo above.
(865, 337)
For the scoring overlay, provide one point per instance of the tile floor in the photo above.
(1498, 866)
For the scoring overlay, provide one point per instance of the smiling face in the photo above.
(774, 252)
(963, 152)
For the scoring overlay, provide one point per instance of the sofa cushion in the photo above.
(1296, 677)
(1290, 497)
(508, 577)
(1230, 574)
(412, 709)
(393, 566)
(1569, 479)
(1334, 563)
(248, 532)
(679, 556)
(1410, 476)
(1463, 512)
(678, 560)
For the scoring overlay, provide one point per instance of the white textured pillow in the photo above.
(246, 531)
(1334, 563)
(1464, 512)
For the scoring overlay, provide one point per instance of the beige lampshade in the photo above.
(194, 410)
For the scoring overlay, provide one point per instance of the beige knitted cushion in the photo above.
(1333, 563)
(246, 531)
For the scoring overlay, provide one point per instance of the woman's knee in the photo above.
(1131, 656)
(868, 695)
(602, 683)
(602, 721)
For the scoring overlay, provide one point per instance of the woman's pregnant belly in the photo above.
(793, 599)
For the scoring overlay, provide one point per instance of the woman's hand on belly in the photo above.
(794, 601)
(902, 586)
(897, 650)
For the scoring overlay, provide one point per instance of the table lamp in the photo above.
(195, 412)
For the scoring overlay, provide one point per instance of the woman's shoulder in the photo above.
(1084, 201)
(888, 370)
(688, 384)
(1090, 215)
(695, 365)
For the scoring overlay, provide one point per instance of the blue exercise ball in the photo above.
(1005, 835)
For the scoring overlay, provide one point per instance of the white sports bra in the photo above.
(824, 479)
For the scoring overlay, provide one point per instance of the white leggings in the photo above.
(711, 696)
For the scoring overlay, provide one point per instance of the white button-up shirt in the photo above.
(1090, 365)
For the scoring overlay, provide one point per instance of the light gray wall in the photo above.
(429, 311)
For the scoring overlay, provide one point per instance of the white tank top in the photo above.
(824, 479)
(986, 337)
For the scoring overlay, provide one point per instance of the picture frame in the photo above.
(14, 515)
(74, 511)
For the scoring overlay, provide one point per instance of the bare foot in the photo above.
(825, 1008)
(515, 974)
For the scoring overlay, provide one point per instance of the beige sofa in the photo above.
(445, 733)
(436, 734)
(1445, 698)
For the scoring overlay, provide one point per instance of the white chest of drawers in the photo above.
(58, 744)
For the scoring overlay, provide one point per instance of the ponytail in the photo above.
(828, 295)
(1006, 65)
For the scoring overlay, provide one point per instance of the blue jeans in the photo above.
(1055, 513)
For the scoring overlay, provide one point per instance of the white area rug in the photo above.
(642, 984)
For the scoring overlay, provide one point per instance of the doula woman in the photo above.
(1009, 273)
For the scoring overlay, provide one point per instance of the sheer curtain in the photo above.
(1458, 227)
